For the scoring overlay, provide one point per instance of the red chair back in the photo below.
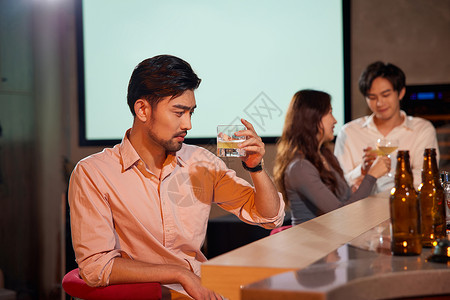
(75, 286)
(276, 230)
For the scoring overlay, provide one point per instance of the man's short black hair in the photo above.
(385, 70)
(158, 77)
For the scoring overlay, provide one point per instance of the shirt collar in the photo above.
(129, 156)
(406, 121)
(179, 155)
(369, 121)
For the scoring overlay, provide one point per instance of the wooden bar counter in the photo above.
(294, 248)
(351, 272)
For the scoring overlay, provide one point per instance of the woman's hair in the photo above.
(299, 138)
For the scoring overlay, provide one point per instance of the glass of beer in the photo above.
(386, 147)
(227, 141)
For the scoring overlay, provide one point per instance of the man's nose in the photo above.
(380, 101)
(186, 122)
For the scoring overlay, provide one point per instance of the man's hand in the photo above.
(192, 285)
(253, 145)
(368, 158)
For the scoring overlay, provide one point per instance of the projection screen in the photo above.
(252, 56)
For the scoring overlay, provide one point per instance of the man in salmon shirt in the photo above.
(139, 210)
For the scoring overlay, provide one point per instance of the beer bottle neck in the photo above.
(430, 171)
(403, 174)
(427, 170)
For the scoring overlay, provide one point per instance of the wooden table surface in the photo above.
(294, 248)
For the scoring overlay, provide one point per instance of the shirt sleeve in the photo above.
(237, 196)
(305, 179)
(93, 234)
(343, 152)
(426, 138)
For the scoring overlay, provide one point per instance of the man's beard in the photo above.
(169, 145)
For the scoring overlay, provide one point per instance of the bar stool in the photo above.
(75, 286)
(276, 230)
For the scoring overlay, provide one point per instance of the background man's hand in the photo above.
(368, 158)
(381, 166)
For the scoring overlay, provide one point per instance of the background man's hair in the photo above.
(385, 70)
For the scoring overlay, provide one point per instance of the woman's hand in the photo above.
(357, 183)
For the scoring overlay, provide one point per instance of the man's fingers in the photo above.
(247, 124)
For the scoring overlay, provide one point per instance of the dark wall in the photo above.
(19, 234)
(413, 34)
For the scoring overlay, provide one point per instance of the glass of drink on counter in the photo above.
(227, 141)
(386, 147)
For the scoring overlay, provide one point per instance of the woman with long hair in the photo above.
(306, 170)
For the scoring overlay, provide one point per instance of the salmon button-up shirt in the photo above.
(119, 208)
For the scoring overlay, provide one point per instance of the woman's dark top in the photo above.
(309, 197)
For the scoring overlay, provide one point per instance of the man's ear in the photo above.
(401, 94)
(142, 110)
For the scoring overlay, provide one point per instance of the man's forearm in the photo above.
(130, 271)
(267, 199)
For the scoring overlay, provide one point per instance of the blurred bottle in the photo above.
(445, 181)
(431, 198)
(404, 209)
